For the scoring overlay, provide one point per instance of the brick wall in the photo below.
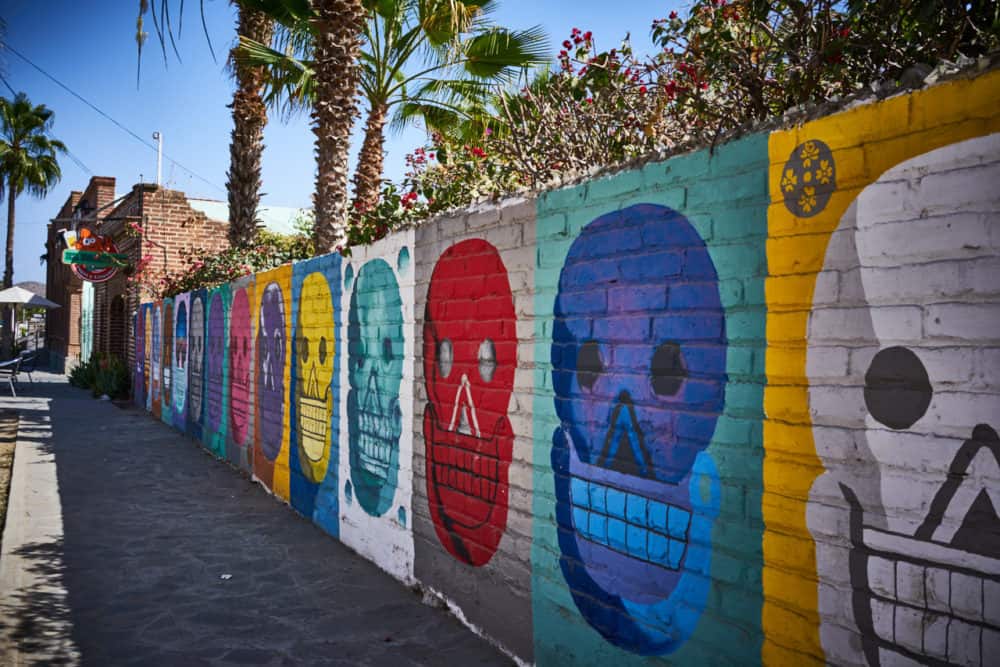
(739, 406)
(62, 331)
(170, 227)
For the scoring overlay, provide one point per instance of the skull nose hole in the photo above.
(588, 364)
(985, 433)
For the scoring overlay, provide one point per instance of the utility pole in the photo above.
(159, 157)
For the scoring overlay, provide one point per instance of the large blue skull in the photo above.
(639, 374)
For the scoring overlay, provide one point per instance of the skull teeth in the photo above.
(629, 523)
(374, 444)
(464, 471)
(932, 600)
(314, 421)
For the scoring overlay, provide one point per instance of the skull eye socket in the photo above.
(276, 342)
(322, 350)
(667, 371)
(897, 388)
(445, 357)
(487, 360)
(304, 349)
(386, 350)
(588, 364)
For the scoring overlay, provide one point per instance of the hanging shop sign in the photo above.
(92, 257)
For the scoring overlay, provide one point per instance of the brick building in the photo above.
(172, 223)
(62, 330)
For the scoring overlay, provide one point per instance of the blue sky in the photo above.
(90, 47)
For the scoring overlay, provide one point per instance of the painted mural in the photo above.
(470, 354)
(914, 539)
(737, 407)
(139, 362)
(167, 363)
(273, 324)
(240, 355)
(215, 386)
(196, 361)
(638, 400)
(376, 444)
(147, 345)
(314, 358)
(156, 377)
(375, 370)
(180, 360)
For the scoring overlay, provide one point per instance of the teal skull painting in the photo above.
(375, 357)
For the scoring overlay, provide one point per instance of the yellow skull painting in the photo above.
(315, 350)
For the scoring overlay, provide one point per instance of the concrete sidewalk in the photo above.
(118, 533)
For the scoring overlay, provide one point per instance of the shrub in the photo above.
(103, 374)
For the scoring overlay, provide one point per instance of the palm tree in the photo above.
(337, 30)
(463, 54)
(27, 164)
(337, 26)
(247, 144)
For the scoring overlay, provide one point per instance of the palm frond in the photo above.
(498, 52)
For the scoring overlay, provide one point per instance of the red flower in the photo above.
(588, 35)
(673, 15)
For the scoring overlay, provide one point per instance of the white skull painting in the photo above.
(904, 372)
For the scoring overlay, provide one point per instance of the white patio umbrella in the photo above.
(22, 297)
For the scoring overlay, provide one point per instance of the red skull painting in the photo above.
(470, 355)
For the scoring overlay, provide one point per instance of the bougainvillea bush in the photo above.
(719, 68)
(207, 269)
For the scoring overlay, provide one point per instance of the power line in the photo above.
(107, 116)
(7, 83)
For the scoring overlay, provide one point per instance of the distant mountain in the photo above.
(32, 286)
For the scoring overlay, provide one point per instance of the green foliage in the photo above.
(725, 65)
(104, 374)
(729, 63)
(208, 269)
(27, 153)
(83, 375)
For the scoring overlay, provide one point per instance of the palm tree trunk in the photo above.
(8, 269)
(338, 28)
(247, 145)
(368, 175)
(7, 344)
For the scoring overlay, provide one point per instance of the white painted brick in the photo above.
(898, 325)
(991, 646)
(882, 577)
(909, 628)
(910, 584)
(963, 643)
(961, 155)
(936, 635)
(987, 369)
(883, 618)
(967, 596)
(965, 321)
(972, 189)
(827, 288)
(954, 236)
(838, 324)
(827, 362)
(991, 603)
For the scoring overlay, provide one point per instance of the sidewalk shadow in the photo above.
(39, 618)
